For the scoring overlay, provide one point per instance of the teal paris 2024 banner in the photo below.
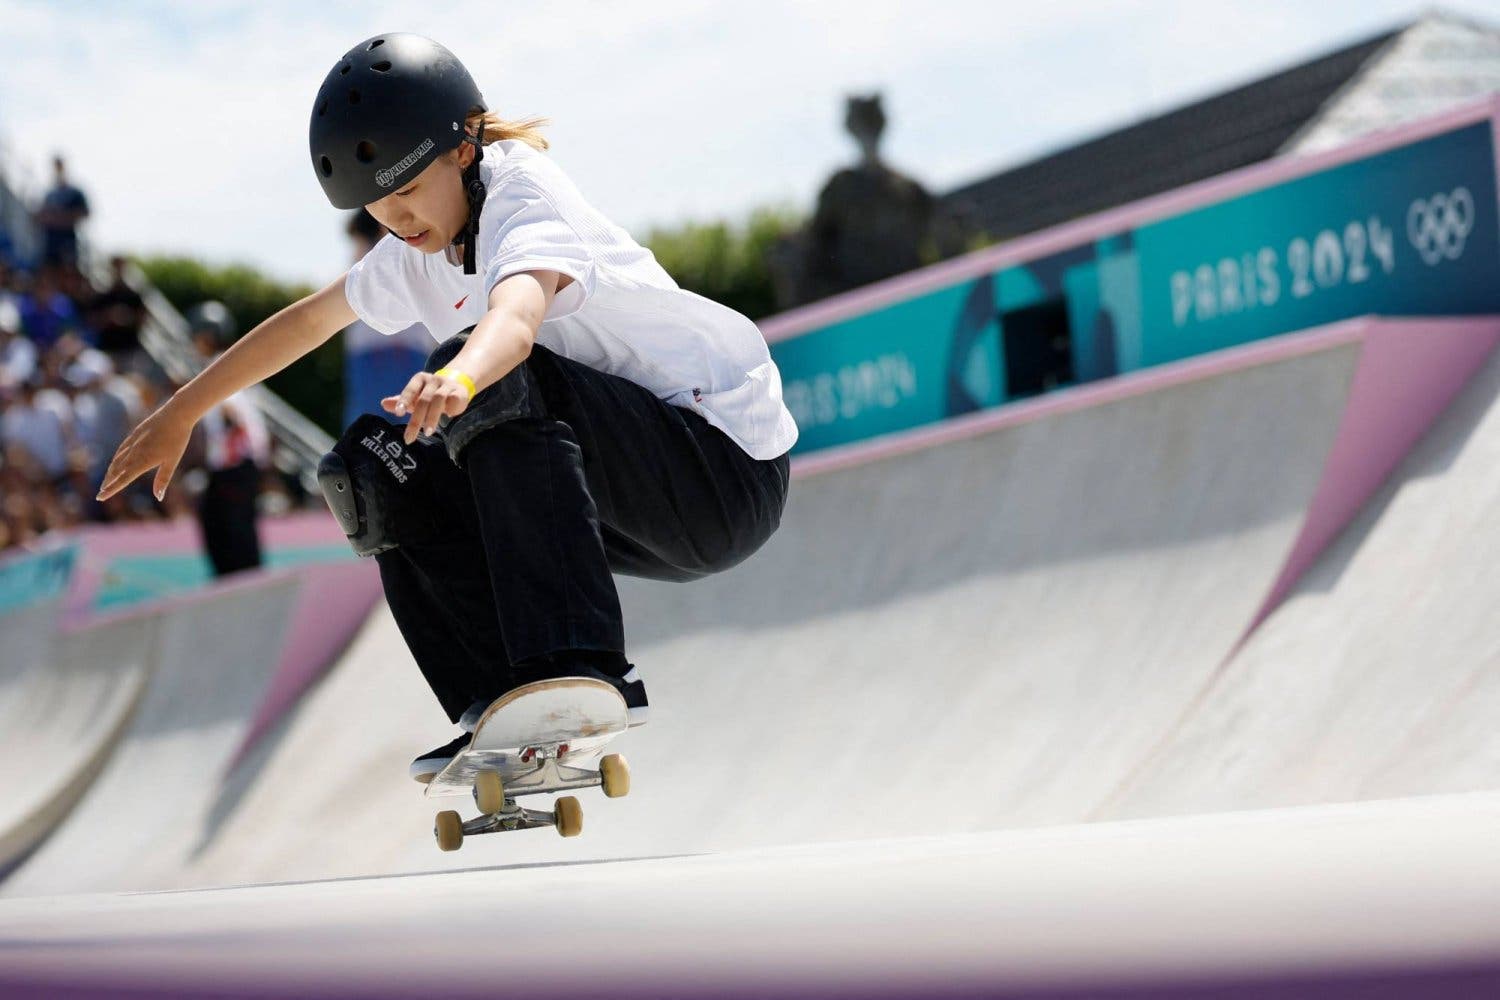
(1407, 231)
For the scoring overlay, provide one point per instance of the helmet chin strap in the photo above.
(475, 192)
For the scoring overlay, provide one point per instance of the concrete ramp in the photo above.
(1377, 900)
(70, 683)
(201, 665)
(45, 745)
(988, 634)
(1034, 622)
(326, 791)
(1380, 675)
(62, 719)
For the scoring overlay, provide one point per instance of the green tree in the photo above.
(725, 262)
(315, 384)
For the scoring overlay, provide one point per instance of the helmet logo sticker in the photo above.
(385, 178)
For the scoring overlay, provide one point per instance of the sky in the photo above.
(186, 123)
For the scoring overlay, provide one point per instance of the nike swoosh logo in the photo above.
(460, 303)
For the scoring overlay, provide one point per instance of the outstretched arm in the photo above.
(159, 440)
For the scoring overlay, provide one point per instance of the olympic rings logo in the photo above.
(1438, 226)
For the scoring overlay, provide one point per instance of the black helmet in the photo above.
(387, 109)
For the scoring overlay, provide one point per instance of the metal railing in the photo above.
(166, 337)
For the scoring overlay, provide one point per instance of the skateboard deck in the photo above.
(546, 736)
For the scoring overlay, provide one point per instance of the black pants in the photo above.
(226, 518)
(509, 524)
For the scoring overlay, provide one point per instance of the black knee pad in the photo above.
(445, 352)
(383, 491)
(513, 396)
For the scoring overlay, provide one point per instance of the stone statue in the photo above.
(871, 222)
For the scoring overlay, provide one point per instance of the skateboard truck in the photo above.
(502, 814)
(551, 775)
(546, 736)
(516, 817)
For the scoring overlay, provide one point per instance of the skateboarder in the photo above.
(580, 415)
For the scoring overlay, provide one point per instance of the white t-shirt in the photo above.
(622, 313)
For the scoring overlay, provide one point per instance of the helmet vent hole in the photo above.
(322, 109)
(327, 166)
(365, 152)
(344, 70)
(383, 66)
(353, 97)
(376, 44)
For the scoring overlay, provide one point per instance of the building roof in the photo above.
(1246, 125)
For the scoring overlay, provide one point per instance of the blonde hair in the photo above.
(497, 128)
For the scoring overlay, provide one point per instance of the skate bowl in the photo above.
(1212, 643)
(38, 706)
(1379, 676)
(33, 586)
(154, 702)
(64, 716)
(941, 637)
(126, 721)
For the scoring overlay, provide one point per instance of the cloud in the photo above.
(187, 123)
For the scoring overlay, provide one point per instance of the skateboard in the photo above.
(547, 736)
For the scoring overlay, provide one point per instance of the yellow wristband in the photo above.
(459, 376)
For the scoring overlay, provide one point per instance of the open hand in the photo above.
(156, 443)
(427, 397)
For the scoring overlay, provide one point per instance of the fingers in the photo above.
(427, 398)
(129, 464)
(120, 475)
(414, 401)
(455, 403)
(163, 477)
(114, 476)
(116, 480)
(400, 404)
(424, 413)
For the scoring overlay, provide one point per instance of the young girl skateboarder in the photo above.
(581, 414)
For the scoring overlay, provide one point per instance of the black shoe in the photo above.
(629, 683)
(630, 686)
(634, 691)
(426, 767)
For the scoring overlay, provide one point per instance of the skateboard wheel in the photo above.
(489, 792)
(449, 830)
(567, 816)
(614, 776)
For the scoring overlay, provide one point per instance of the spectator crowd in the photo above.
(74, 381)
